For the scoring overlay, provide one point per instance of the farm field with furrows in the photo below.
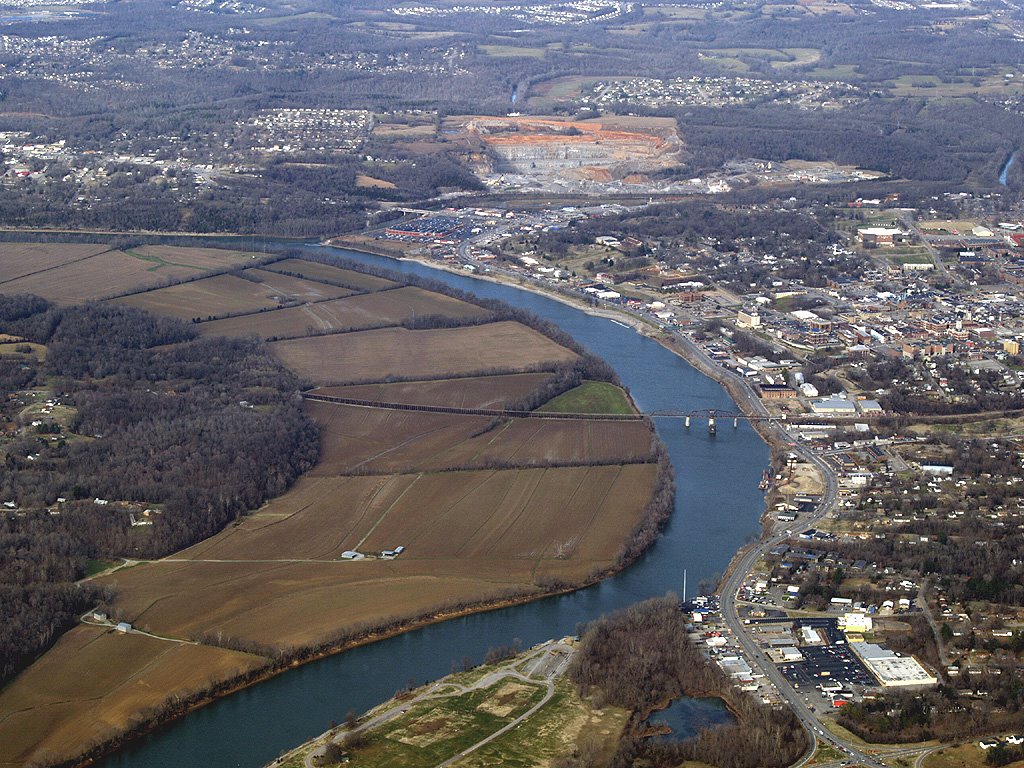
(346, 278)
(209, 297)
(368, 310)
(469, 536)
(361, 439)
(115, 676)
(483, 510)
(69, 273)
(20, 259)
(367, 356)
(468, 392)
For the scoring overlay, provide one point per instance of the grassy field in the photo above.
(353, 358)
(93, 680)
(964, 756)
(468, 392)
(362, 311)
(346, 278)
(591, 397)
(512, 51)
(424, 732)
(296, 288)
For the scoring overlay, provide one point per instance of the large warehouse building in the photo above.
(891, 669)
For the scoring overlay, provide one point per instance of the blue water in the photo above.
(688, 717)
(717, 508)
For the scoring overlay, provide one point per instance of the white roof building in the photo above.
(891, 669)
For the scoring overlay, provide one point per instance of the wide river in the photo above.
(717, 508)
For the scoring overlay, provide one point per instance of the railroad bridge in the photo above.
(710, 414)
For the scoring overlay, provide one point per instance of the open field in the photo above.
(296, 288)
(486, 515)
(49, 706)
(368, 310)
(965, 756)
(67, 274)
(193, 257)
(513, 51)
(106, 274)
(488, 510)
(359, 439)
(20, 259)
(554, 731)
(417, 729)
(217, 295)
(468, 392)
(470, 537)
(346, 278)
(352, 358)
(590, 397)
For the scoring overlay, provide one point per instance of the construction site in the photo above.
(573, 155)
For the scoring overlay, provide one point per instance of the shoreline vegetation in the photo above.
(653, 517)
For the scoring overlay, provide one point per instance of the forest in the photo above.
(197, 430)
(640, 659)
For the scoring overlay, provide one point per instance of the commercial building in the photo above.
(891, 669)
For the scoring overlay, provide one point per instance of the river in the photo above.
(718, 506)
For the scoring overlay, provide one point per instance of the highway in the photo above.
(750, 404)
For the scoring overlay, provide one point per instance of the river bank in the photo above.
(739, 391)
(710, 520)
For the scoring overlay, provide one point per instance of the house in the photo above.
(123, 627)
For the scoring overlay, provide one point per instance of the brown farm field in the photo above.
(368, 310)
(49, 707)
(487, 509)
(467, 392)
(359, 439)
(346, 278)
(295, 288)
(110, 273)
(368, 356)
(68, 274)
(21, 259)
(217, 295)
(470, 536)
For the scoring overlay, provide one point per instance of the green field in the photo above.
(591, 397)
(512, 51)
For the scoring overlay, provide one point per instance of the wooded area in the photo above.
(200, 431)
(640, 659)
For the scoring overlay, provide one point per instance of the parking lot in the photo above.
(827, 664)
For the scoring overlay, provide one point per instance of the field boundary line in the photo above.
(503, 414)
(58, 266)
